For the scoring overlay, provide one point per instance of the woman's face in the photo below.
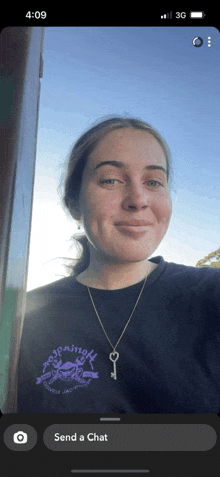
(129, 190)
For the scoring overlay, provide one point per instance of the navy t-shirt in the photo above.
(169, 356)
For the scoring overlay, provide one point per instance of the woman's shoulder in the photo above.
(206, 271)
(58, 286)
(173, 269)
(186, 276)
(41, 296)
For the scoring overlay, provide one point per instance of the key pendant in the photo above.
(113, 357)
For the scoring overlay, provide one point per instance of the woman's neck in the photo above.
(112, 277)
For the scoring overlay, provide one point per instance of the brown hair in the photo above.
(71, 182)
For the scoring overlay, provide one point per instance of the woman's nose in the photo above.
(136, 198)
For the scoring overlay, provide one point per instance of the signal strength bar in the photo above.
(166, 16)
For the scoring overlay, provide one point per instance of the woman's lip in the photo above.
(137, 229)
(135, 223)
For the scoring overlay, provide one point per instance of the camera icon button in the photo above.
(20, 437)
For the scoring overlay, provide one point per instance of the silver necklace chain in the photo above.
(114, 355)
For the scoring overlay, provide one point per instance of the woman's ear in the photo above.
(75, 212)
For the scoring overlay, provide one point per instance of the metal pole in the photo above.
(21, 60)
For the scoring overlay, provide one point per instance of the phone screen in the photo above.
(118, 374)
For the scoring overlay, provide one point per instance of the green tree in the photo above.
(212, 260)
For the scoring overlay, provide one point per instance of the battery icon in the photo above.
(198, 15)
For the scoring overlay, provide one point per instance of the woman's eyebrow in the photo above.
(120, 164)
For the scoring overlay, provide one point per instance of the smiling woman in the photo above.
(119, 249)
(124, 333)
(151, 146)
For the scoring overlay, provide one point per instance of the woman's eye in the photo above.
(108, 181)
(155, 182)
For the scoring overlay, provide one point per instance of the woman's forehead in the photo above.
(130, 146)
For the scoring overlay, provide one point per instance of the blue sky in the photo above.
(155, 74)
